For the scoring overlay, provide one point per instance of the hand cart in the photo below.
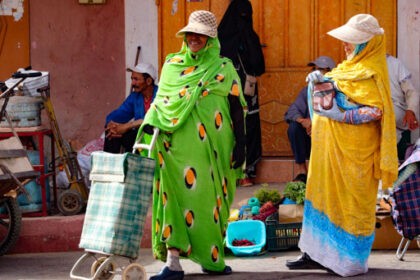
(405, 202)
(72, 200)
(116, 212)
(15, 171)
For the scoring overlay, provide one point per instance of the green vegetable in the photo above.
(265, 194)
(295, 191)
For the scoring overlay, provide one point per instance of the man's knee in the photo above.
(294, 129)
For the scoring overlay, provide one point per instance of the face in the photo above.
(348, 48)
(323, 70)
(138, 82)
(196, 41)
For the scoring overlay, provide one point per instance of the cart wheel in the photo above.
(10, 222)
(107, 273)
(134, 271)
(70, 203)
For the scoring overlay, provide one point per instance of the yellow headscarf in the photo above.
(364, 79)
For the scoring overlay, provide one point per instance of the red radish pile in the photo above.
(242, 242)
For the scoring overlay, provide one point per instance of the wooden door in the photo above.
(293, 33)
(14, 37)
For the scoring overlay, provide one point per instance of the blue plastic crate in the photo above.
(252, 230)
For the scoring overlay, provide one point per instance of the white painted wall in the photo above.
(409, 42)
(141, 29)
(409, 36)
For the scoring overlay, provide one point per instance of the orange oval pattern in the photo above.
(190, 177)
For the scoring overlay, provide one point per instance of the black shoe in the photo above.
(300, 178)
(167, 274)
(226, 271)
(304, 262)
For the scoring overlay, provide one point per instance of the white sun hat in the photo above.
(358, 29)
(200, 22)
(144, 68)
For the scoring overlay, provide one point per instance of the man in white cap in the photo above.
(297, 116)
(122, 124)
(406, 103)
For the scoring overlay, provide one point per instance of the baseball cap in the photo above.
(323, 62)
(144, 68)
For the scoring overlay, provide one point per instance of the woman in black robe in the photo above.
(241, 44)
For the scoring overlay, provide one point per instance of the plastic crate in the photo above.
(24, 111)
(281, 236)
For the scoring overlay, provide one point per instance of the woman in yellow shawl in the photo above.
(200, 151)
(352, 150)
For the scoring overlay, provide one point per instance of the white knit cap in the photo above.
(200, 22)
(358, 29)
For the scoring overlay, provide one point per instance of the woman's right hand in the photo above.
(315, 77)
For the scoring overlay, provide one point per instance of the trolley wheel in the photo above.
(134, 271)
(107, 273)
(70, 202)
(10, 222)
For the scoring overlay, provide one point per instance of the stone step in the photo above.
(275, 169)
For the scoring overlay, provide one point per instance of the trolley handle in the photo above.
(150, 147)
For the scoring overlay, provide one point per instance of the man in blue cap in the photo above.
(297, 116)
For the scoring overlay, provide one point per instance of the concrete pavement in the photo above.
(56, 266)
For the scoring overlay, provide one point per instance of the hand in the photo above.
(238, 155)
(410, 120)
(306, 123)
(315, 77)
(334, 113)
(113, 130)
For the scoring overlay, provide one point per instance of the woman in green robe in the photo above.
(200, 150)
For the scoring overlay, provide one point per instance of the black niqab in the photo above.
(237, 36)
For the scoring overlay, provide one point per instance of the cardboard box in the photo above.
(386, 236)
(290, 213)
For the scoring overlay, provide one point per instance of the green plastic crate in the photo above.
(281, 236)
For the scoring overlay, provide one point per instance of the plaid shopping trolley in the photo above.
(406, 202)
(116, 211)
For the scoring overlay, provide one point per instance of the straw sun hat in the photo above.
(358, 29)
(200, 22)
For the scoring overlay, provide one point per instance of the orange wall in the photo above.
(14, 42)
(82, 46)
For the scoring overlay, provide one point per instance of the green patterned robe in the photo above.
(194, 180)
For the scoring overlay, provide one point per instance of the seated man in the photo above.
(406, 103)
(122, 124)
(298, 118)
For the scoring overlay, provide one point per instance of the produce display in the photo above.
(265, 195)
(295, 191)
